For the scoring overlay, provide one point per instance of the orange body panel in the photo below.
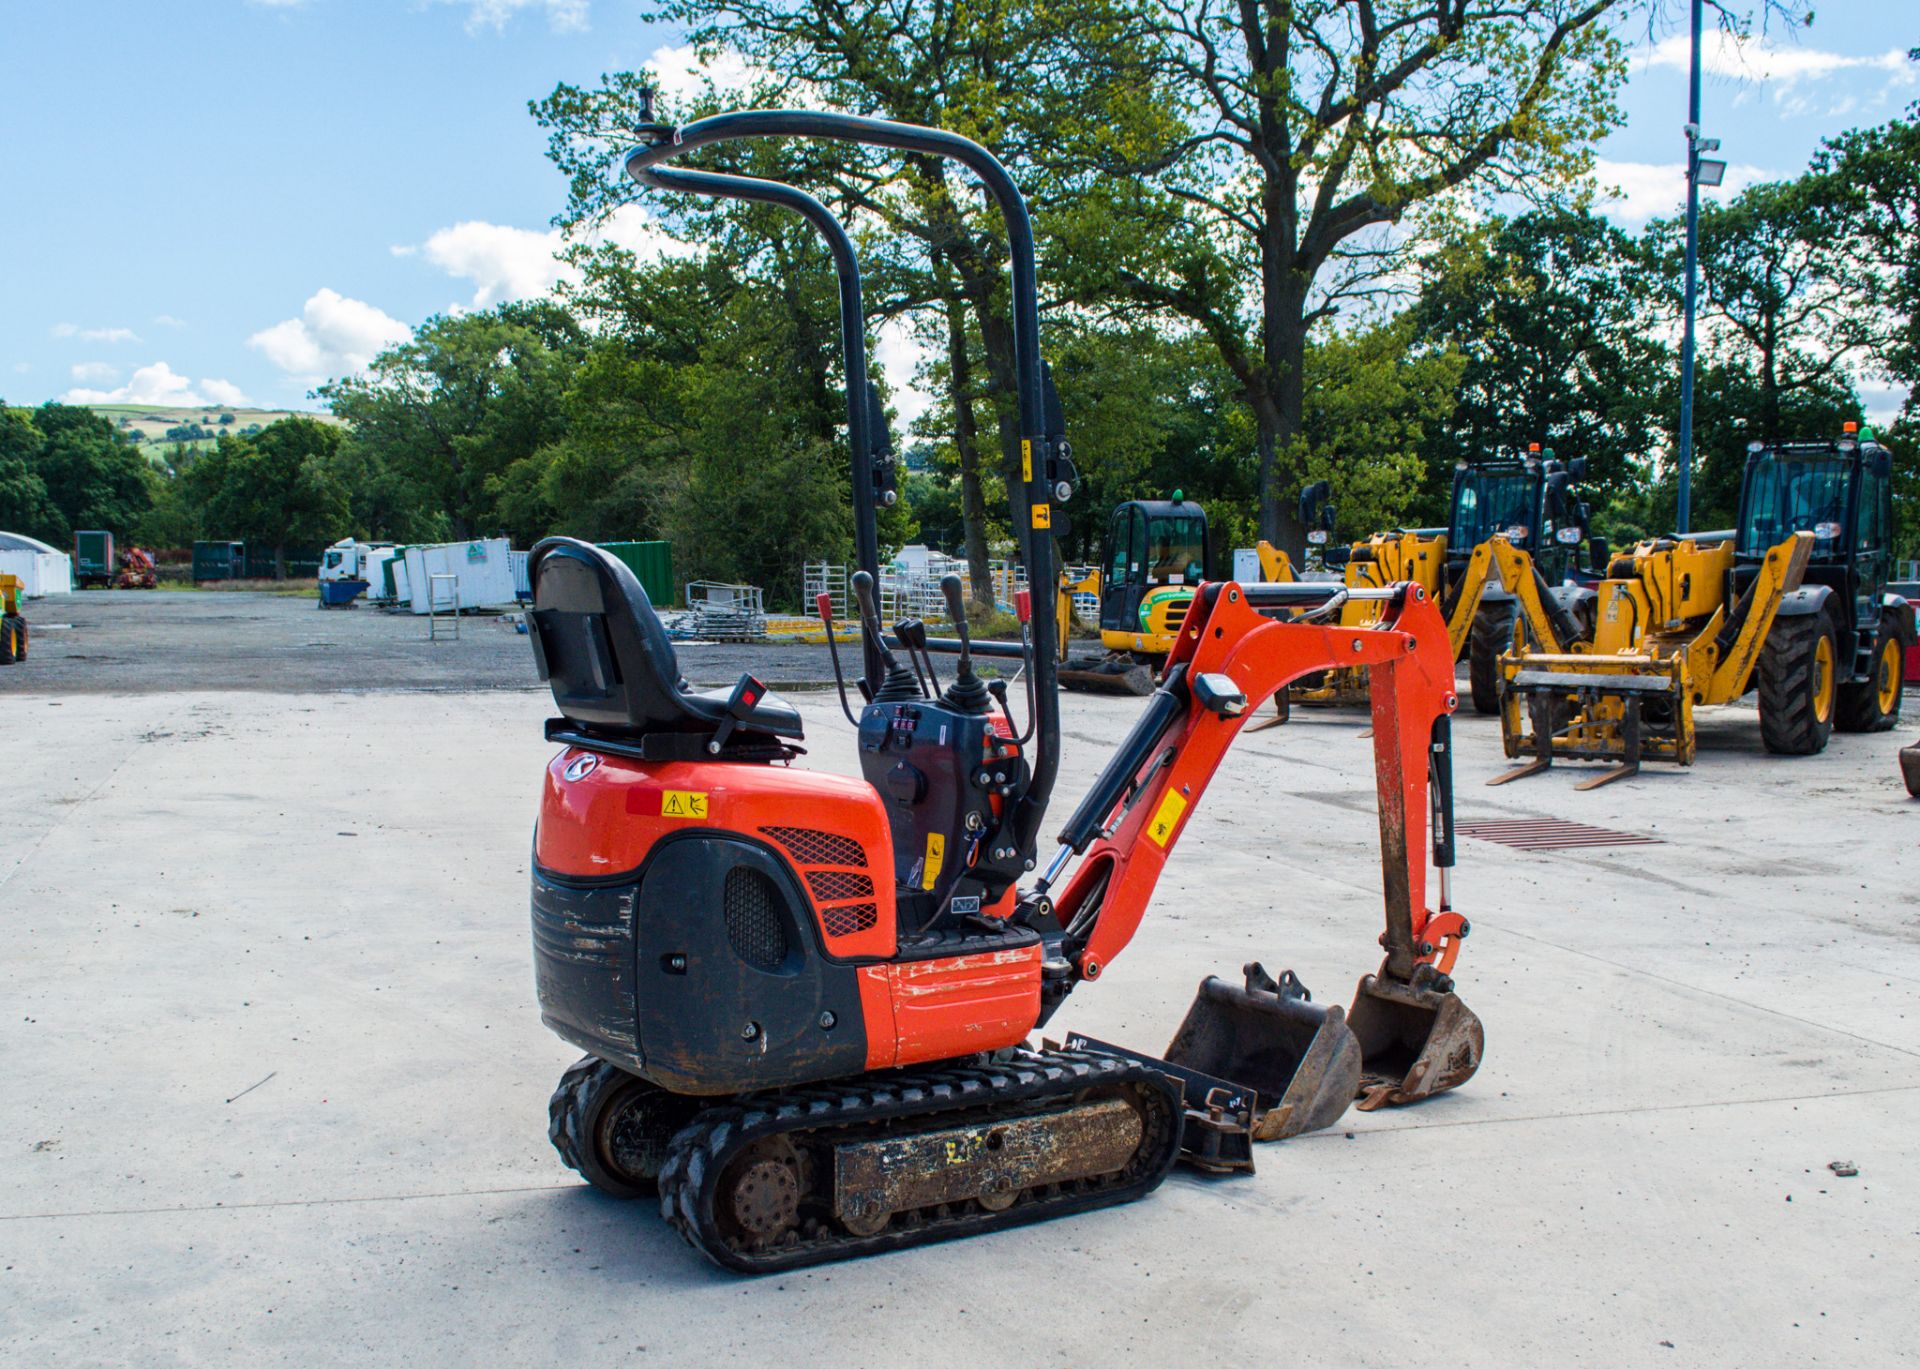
(959, 1005)
(831, 828)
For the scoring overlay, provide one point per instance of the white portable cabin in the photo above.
(376, 560)
(42, 569)
(483, 576)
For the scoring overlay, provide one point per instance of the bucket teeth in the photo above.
(1415, 1040)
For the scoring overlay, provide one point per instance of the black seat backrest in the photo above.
(599, 644)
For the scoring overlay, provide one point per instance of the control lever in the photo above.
(900, 684)
(911, 633)
(967, 694)
(823, 605)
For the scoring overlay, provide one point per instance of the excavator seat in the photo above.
(615, 679)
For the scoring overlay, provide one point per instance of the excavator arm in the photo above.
(1407, 1035)
(1230, 659)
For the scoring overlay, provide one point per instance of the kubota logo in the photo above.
(580, 767)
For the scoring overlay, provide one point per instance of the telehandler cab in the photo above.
(1497, 570)
(1792, 602)
(807, 997)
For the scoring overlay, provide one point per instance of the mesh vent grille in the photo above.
(753, 918)
(828, 885)
(849, 918)
(810, 846)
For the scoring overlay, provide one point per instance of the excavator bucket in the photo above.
(1415, 1040)
(1910, 768)
(1117, 672)
(1299, 1059)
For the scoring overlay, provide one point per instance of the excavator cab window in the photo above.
(1127, 545)
(1795, 494)
(1490, 502)
(1177, 549)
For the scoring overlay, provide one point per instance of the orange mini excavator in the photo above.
(807, 999)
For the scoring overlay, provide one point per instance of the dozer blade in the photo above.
(1115, 673)
(1415, 1040)
(1299, 1059)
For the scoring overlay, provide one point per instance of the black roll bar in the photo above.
(853, 346)
(1033, 504)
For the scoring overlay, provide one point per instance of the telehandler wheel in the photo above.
(6, 641)
(1491, 635)
(1873, 704)
(612, 1127)
(1798, 693)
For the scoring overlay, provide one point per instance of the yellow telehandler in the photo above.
(1792, 602)
(1484, 569)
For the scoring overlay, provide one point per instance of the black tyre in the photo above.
(6, 641)
(1796, 678)
(1492, 635)
(1873, 704)
(612, 1128)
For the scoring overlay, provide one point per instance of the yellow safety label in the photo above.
(936, 857)
(682, 803)
(1166, 818)
(1026, 458)
(1043, 515)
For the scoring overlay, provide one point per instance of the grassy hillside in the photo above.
(153, 423)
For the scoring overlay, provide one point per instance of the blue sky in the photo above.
(224, 201)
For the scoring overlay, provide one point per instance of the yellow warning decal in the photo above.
(682, 803)
(1043, 515)
(936, 857)
(1166, 818)
(1026, 458)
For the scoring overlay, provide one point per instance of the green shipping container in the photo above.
(652, 565)
(303, 563)
(93, 558)
(219, 560)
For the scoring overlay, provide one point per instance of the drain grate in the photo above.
(1551, 834)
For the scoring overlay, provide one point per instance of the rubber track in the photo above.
(1784, 677)
(700, 1152)
(563, 1107)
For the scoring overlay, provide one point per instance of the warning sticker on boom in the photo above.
(682, 803)
(1165, 818)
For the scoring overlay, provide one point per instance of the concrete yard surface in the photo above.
(276, 1082)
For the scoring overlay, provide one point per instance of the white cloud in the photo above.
(1633, 192)
(901, 355)
(508, 263)
(96, 372)
(74, 330)
(160, 385)
(1756, 59)
(679, 73)
(223, 392)
(22, 367)
(334, 336)
(169, 321)
(563, 16)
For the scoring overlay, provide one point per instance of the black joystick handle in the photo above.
(966, 694)
(900, 682)
(868, 605)
(957, 611)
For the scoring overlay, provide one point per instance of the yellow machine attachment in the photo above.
(1421, 558)
(13, 627)
(1666, 639)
